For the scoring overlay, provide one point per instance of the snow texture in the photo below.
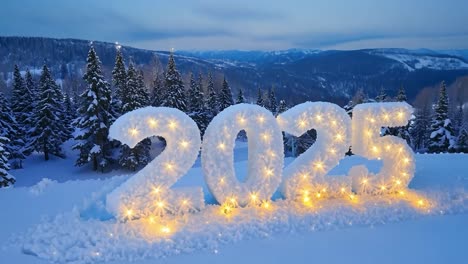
(265, 155)
(136, 197)
(42, 186)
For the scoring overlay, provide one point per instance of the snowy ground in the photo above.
(60, 220)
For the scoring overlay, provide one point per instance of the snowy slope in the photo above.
(61, 221)
(422, 59)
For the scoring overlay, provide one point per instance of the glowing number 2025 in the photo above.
(148, 191)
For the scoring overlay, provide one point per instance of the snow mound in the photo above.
(41, 186)
(69, 238)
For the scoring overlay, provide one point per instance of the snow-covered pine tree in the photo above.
(70, 110)
(195, 95)
(175, 96)
(282, 106)
(5, 178)
(240, 97)
(95, 117)
(458, 118)
(441, 138)
(462, 141)
(260, 100)
(157, 91)
(119, 80)
(197, 108)
(138, 97)
(8, 128)
(22, 108)
(49, 130)
(211, 101)
(225, 96)
(272, 104)
(401, 96)
(419, 128)
(382, 97)
(32, 87)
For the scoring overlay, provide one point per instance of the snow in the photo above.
(65, 224)
(420, 61)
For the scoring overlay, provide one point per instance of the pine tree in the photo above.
(282, 106)
(22, 108)
(240, 97)
(272, 104)
(462, 142)
(211, 101)
(9, 127)
(458, 118)
(5, 178)
(401, 96)
(157, 91)
(382, 97)
(225, 96)
(49, 131)
(95, 117)
(195, 95)
(175, 96)
(138, 97)
(260, 101)
(119, 80)
(70, 110)
(32, 87)
(441, 137)
(419, 128)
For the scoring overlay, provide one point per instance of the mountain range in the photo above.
(296, 75)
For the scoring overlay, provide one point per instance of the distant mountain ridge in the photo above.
(295, 74)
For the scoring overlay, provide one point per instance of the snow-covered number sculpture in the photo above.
(265, 155)
(305, 176)
(397, 157)
(148, 192)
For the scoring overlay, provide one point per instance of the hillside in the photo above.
(295, 74)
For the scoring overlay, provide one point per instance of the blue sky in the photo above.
(241, 24)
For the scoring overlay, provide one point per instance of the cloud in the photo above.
(236, 13)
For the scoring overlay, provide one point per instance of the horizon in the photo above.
(239, 50)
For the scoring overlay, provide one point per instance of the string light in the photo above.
(156, 190)
(184, 144)
(169, 166)
(129, 212)
(165, 229)
(420, 202)
(172, 124)
(134, 132)
(152, 122)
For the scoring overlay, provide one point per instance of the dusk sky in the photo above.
(247, 25)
